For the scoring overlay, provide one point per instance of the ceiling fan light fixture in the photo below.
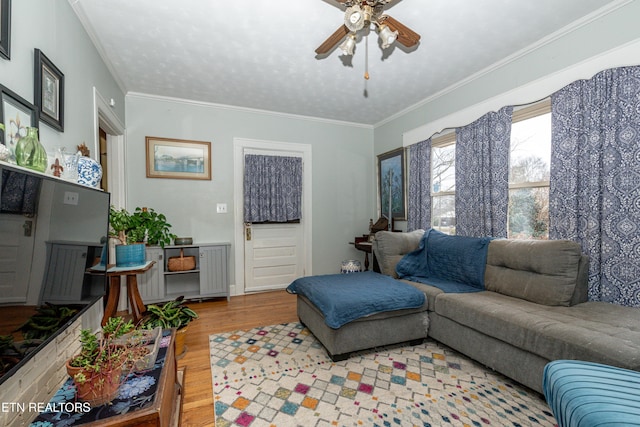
(354, 18)
(349, 45)
(387, 37)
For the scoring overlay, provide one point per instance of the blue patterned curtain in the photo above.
(272, 188)
(595, 179)
(419, 214)
(482, 175)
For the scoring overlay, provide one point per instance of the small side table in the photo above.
(363, 244)
(135, 300)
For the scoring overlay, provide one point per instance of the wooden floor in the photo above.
(242, 312)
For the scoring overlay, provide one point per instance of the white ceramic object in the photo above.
(350, 266)
(89, 172)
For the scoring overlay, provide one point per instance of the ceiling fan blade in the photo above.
(406, 36)
(333, 40)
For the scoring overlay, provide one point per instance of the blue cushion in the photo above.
(451, 263)
(582, 394)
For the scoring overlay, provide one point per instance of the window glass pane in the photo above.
(530, 150)
(443, 170)
(443, 214)
(529, 213)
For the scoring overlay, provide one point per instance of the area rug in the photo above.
(280, 375)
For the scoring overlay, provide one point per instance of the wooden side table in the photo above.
(135, 300)
(363, 244)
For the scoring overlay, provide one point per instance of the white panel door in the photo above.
(274, 255)
(16, 250)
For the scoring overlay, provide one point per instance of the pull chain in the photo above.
(366, 57)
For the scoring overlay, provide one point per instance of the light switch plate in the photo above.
(221, 208)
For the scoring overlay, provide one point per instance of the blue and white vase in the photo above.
(89, 172)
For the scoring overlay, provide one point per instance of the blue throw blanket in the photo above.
(343, 298)
(451, 263)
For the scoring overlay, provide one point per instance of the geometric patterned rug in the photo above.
(280, 375)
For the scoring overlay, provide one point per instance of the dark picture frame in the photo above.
(48, 91)
(17, 114)
(391, 166)
(178, 158)
(5, 29)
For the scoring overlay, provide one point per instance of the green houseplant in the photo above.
(144, 225)
(124, 228)
(173, 314)
(99, 368)
(153, 225)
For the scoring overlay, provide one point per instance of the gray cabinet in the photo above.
(66, 278)
(214, 271)
(151, 283)
(209, 278)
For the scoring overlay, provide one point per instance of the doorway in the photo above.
(270, 256)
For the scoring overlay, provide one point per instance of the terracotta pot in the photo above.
(179, 342)
(100, 388)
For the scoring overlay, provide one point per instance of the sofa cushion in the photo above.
(596, 331)
(540, 271)
(431, 292)
(389, 247)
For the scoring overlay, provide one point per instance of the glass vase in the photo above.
(30, 153)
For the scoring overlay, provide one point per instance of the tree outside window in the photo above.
(529, 175)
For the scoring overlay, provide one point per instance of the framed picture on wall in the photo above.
(178, 158)
(391, 186)
(17, 114)
(5, 29)
(49, 91)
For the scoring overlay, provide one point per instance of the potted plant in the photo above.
(124, 228)
(153, 225)
(172, 314)
(101, 365)
(135, 229)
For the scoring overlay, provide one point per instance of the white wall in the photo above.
(609, 41)
(53, 27)
(343, 171)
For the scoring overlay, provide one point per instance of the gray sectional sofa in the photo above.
(531, 309)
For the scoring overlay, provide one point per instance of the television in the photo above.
(52, 234)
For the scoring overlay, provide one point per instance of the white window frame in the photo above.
(524, 113)
(445, 139)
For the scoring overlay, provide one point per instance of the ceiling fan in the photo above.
(362, 14)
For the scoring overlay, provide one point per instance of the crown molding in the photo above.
(568, 29)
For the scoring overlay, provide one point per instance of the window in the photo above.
(443, 183)
(529, 169)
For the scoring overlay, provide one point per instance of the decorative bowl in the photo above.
(350, 266)
(183, 241)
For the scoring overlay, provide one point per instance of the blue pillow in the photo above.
(457, 258)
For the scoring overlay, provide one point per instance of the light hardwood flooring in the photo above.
(242, 312)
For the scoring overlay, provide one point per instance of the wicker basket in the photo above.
(181, 263)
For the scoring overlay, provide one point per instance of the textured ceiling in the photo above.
(260, 53)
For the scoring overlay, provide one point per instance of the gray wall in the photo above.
(53, 27)
(343, 172)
